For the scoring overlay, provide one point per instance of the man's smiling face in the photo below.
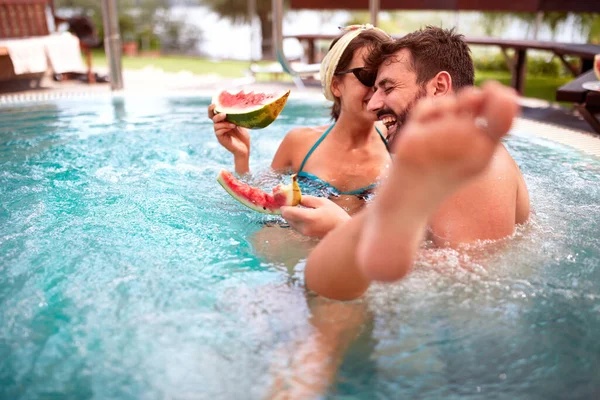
(396, 91)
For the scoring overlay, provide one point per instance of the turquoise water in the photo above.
(126, 272)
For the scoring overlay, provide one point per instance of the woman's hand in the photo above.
(318, 218)
(234, 138)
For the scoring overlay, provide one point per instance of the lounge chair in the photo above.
(586, 102)
(28, 48)
(298, 71)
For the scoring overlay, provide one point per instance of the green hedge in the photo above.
(536, 65)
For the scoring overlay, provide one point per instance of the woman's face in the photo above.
(353, 95)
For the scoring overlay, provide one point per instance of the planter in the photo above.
(130, 48)
(150, 53)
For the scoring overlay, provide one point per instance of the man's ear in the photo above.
(440, 85)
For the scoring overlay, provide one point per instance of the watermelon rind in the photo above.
(257, 117)
(292, 191)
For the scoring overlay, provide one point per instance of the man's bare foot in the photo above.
(453, 138)
(446, 143)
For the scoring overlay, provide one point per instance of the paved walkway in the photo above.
(152, 80)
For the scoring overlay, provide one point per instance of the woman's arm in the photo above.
(291, 145)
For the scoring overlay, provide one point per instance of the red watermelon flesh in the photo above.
(243, 100)
(250, 110)
(256, 199)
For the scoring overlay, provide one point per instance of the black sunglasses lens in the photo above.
(365, 77)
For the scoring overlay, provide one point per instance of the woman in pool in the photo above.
(344, 160)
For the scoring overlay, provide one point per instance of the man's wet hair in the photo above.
(432, 50)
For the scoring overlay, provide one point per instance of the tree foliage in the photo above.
(145, 21)
(589, 23)
(237, 11)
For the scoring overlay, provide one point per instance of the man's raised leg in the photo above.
(446, 143)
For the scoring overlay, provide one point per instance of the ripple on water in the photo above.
(126, 272)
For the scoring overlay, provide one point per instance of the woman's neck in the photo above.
(351, 131)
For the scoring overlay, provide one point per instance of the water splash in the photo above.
(126, 272)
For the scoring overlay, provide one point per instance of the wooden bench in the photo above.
(586, 102)
(517, 64)
(22, 19)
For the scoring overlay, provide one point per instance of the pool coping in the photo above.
(580, 140)
(34, 96)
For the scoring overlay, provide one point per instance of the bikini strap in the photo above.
(385, 142)
(317, 143)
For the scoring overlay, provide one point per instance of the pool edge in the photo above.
(583, 141)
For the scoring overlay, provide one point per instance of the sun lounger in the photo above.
(276, 70)
(19, 20)
(586, 102)
(28, 49)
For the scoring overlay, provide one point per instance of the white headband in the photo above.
(332, 58)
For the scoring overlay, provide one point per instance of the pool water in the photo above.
(126, 272)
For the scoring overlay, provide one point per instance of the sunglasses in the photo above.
(365, 77)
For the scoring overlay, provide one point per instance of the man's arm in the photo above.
(347, 259)
(442, 150)
(331, 269)
(345, 262)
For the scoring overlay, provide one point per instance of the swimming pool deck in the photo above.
(538, 116)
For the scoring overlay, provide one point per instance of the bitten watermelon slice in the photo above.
(256, 199)
(250, 110)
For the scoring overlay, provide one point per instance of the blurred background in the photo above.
(218, 37)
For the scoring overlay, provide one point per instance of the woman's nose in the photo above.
(375, 102)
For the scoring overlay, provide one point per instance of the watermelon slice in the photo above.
(250, 110)
(256, 199)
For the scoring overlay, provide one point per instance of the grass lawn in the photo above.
(541, 87)
(196, 65)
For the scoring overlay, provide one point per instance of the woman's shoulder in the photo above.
(305, 134)
(304, 131)
(296, 144)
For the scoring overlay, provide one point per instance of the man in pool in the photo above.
(451, 181)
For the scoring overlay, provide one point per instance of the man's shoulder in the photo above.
(485, 207)
(500, 177)
(503, 164)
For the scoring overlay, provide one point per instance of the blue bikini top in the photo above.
(312, 184)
